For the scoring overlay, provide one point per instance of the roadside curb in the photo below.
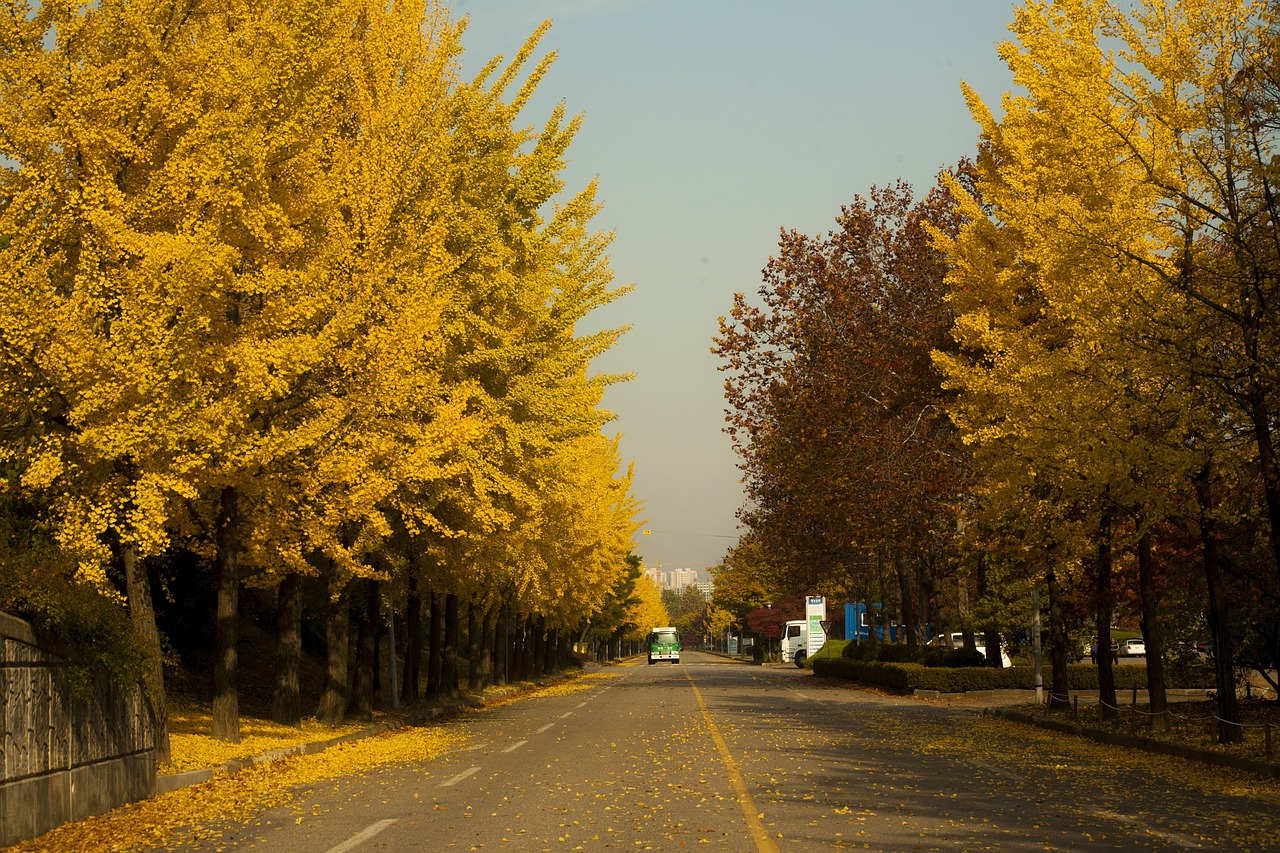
(167, 782)
(1190, 753)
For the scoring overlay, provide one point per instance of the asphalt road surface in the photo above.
(721, 755)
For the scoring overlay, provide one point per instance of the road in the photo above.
(722, 755)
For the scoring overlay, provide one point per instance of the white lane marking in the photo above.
(515, 746)
(363, 836)
(581, 705)
(999, 771)
(463, 775)
(544, 728)
(1177, 840)
(566, 714)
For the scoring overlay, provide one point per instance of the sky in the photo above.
(711, 126)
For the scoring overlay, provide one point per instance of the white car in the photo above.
(1135, 648)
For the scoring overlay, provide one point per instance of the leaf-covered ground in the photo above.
(193, 749)
(1190, 724)
(198, 812)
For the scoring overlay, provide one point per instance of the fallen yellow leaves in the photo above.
(1212, 779)
(557, 688)
(194, 813)
(193, 749)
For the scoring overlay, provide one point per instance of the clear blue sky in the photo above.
(713, 124)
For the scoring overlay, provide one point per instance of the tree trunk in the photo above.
(550, 661)
(475, 647)
(1152, 636)
(924, 582)
(142, 615)
(992, 641)
(286, 703)
(1060, 686)
(435, 647)
(886, 606)
(449, 672)
(537, 648)
(502, 649)
(525, 639)
(362, 684)
(488, 629)
(1260, 415)
(226, 700)
(337, 635)
(412, 641)
(1105, 604)
(1228, 706)
(904, 590)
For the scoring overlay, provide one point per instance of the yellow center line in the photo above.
(755, 825)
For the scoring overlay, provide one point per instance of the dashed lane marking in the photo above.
(1176, 840)
(515, 746)
(362, 836)
(463, 775)
(544, 728)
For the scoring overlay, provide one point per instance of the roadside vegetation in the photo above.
(297, 365)
(1050, 378)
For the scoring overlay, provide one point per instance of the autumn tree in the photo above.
(283, 291)
(1112, 293)
(853, 472)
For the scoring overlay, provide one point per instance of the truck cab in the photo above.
(795, 642)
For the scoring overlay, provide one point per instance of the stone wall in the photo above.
(64, 759)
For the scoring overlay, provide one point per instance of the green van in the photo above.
(664, 644)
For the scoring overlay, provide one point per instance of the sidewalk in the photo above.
(167, 782)
(1010, 705)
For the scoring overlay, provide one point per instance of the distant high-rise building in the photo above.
(680, 578)
(705, 587)
(674, 579)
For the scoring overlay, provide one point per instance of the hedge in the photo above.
(914, 676)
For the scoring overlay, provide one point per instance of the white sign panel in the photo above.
(815, 613)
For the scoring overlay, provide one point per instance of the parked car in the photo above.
(1134, 648)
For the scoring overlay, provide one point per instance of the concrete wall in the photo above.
(63, 759)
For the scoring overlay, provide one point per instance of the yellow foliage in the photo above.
(648, 611)
(192, 814)
(1070, 318)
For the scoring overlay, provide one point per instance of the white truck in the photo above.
(796, 641)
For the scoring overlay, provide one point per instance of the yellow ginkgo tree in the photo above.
(1112, 286)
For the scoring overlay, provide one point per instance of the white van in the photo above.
(957, 642)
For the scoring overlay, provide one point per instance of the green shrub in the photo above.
(900, 653)
(958, 658)
(859, 651)
(866, 671)
(38, 584)
(914, 676)
(890, 652)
